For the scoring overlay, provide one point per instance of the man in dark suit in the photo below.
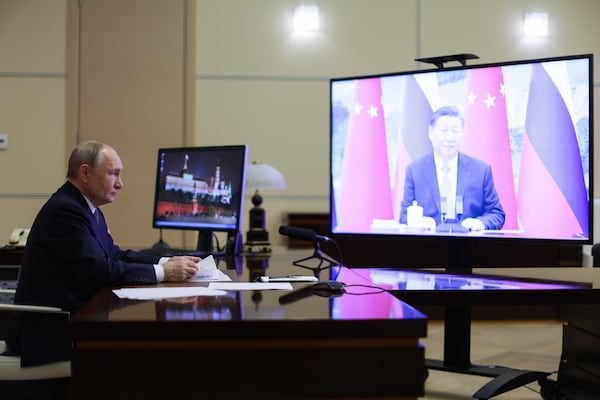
(70, 255)
(451, 186)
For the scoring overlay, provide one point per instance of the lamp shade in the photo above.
(264, 176)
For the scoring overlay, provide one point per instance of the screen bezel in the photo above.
(239, 172)
(441, 235)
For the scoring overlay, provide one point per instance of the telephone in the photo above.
(18, 237)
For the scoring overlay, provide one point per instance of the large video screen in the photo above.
(496, 150)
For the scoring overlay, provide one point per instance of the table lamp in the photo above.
(260, 176)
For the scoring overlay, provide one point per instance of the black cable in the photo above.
(378, 289)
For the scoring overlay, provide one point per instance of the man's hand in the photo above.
(181, 268)
(473, 224)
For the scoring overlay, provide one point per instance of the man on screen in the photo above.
(450, 186)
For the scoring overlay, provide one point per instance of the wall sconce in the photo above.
(260, 176)
(535, 24)
(306, 18)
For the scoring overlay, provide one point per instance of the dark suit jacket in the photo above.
(475, 183)
(68, 257)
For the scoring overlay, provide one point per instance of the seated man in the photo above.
(448, 184)
(70, 255)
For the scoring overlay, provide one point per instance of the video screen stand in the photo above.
(457, 340)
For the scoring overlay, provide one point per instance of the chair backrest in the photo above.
(10, 366)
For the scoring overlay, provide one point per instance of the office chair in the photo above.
(44, 382)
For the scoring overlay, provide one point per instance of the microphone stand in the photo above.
(317, 254)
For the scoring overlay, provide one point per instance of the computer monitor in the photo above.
(524, 170)
(201, 189)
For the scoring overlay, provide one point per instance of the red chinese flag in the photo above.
(365, 192)
(486, 134)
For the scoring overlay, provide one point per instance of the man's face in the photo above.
(446, 137)
(104, 182)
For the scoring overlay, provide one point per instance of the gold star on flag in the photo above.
(490, 101)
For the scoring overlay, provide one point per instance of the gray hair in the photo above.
(89, 152)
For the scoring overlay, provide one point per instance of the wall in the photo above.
(132, 71)
(253, 81)
(32, 107)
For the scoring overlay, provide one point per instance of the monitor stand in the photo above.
(205, 241)
(457, 337)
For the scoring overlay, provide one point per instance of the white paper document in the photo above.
(250, 285)
(153, 293)
(208, 271)
(218, 275)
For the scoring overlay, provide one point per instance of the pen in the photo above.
(284, 276)
(295, 278)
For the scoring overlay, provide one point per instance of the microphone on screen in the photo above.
(303, 233)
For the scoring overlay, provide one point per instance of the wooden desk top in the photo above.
(361, 311)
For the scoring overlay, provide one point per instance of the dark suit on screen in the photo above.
(475, 183)
(69, 256)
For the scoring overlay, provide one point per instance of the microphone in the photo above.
(303, 233)
(322, 289)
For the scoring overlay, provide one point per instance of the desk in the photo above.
(11, 255)
(459, 292)
(246, 345)
(10, 262)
